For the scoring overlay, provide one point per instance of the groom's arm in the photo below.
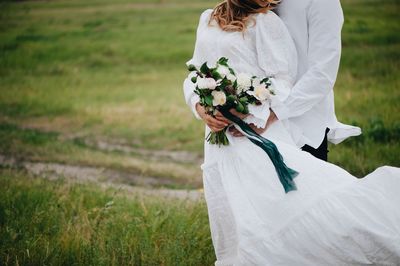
(325, 20)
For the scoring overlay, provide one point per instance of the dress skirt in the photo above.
(332, 218)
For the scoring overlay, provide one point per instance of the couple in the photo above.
(332, 218)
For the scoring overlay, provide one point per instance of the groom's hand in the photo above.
(272, 118)
(215, 124)
(237, 133)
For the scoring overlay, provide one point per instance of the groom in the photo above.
(315, 26)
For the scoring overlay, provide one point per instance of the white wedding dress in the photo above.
(332, 218)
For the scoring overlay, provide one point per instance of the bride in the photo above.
(332, 218)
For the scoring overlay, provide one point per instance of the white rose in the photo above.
(260, 92)
(223, 71)
(231, 77)
(243, 82)
(219, 98)
(206, 83)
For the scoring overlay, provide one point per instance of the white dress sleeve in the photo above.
(277, 57)
(192, 98)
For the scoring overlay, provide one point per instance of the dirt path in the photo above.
(156, 155)
(104, 177)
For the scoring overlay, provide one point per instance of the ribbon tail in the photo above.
(285, 174)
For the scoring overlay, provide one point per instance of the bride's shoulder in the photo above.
(204, 18)
(205, 15)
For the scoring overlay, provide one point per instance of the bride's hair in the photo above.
(233, 15)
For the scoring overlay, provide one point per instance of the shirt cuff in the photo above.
(259, 115)
(193, 101)
(280, 110)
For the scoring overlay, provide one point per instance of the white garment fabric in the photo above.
(332, 218)
(315, 26)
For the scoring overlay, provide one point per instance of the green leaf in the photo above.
(204, 68)
(240, 107)
(224, 83)
(216, 75)
(192, 68)
(223, 61)
(209, 99)
(246, 109)
(194, 79)
(231, 99)
(235, 84)
(244, 99)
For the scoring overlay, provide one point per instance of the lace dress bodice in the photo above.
(265, 48)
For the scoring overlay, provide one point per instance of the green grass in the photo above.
(57, 223)
(115, 70)
(366, 91)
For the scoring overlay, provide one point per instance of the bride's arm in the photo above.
(192, 98)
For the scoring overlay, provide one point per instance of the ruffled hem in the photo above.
(346, 227)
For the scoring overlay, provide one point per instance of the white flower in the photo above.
(223, 71)
(256, 82)
(219, 98)
(243, 82)
(260, 92)
(206, 83)
(231, 77)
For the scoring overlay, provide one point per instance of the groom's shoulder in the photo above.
(299, 5)
(294, 5)
(269, 18)
(324, 4)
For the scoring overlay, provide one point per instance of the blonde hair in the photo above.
(234, 15)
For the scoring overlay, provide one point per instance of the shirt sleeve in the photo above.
(325, 20)
(191, 98)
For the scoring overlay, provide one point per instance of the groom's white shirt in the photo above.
(315, 26)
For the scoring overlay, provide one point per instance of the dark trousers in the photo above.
(322, 151)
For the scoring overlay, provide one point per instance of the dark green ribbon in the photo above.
(286, 174)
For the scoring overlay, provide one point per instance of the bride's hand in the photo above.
(215, 124)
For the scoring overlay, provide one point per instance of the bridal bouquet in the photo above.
(221, 89)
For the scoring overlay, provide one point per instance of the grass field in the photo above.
(99, 83)
(57, 223)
